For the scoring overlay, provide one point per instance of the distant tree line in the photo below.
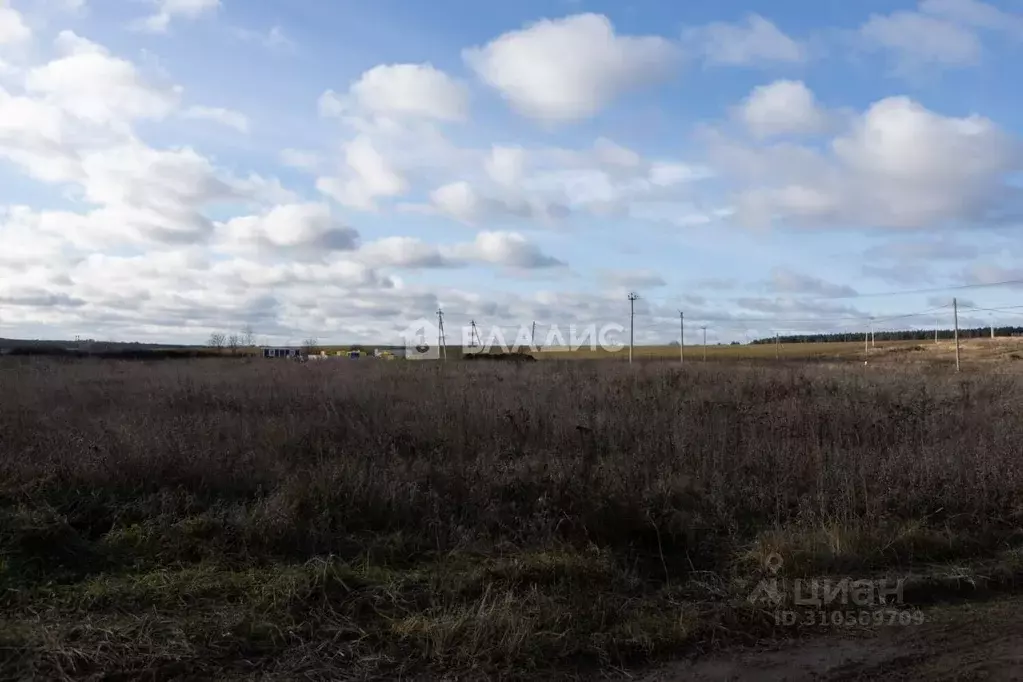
(905, 335)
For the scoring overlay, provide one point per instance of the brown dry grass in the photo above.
(213, 519)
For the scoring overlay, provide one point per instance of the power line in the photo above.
(873, 294)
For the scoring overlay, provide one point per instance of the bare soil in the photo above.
(976, 641)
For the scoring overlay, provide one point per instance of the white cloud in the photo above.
(401, 90)
(753, 41)
(546, 185)
(782, 107)
(571, 68)
(403, 252)
(939, 32)
(507, 249)
(168, 10)
(366, 176)
(392, 109)
(227, 117)
(90, 84)
(32, 135)
(504, 249)
(897, 165)
(506, 165)
(457, 199)
(13, 30)
(975, 13)
(297, 230)
(282, 265)
(149, 196)
(917, 39)
(463, 202)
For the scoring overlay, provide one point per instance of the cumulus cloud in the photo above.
(401, 90)
(168, 10)
(897, 164)
(366, 175)
(226, 117)
(391, 109)
(506, 165)
(571, 68)
(506, 249)
(461, 201)
(89, 83)
(548, 185)
(782, 107)
(13, 30)
(404, 252)
(139, 221)
(73, 126)
(750, 42)
(295, 230)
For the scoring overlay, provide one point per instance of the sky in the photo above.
(339, 170)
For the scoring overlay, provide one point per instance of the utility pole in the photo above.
(681, 337)
(704, 328)
(872, 332)
(441, 340)
(992, 324)
(472, 334)
(955, 312)
(866, 341)
(532, 338)
(777, 346)
(632, 322)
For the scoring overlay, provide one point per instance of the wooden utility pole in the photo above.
(777, 345)
(704, 328)
(681, 337)
(532, 338)
(955, 313)
(632, 322)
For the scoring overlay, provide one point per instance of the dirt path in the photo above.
(980, 641)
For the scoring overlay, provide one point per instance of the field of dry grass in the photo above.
(224, 520)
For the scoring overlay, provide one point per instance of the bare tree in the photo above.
(233, 342)
(309, 346)
(248, 337)
(217, 340)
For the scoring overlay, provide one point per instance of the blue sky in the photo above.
(171, 168)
